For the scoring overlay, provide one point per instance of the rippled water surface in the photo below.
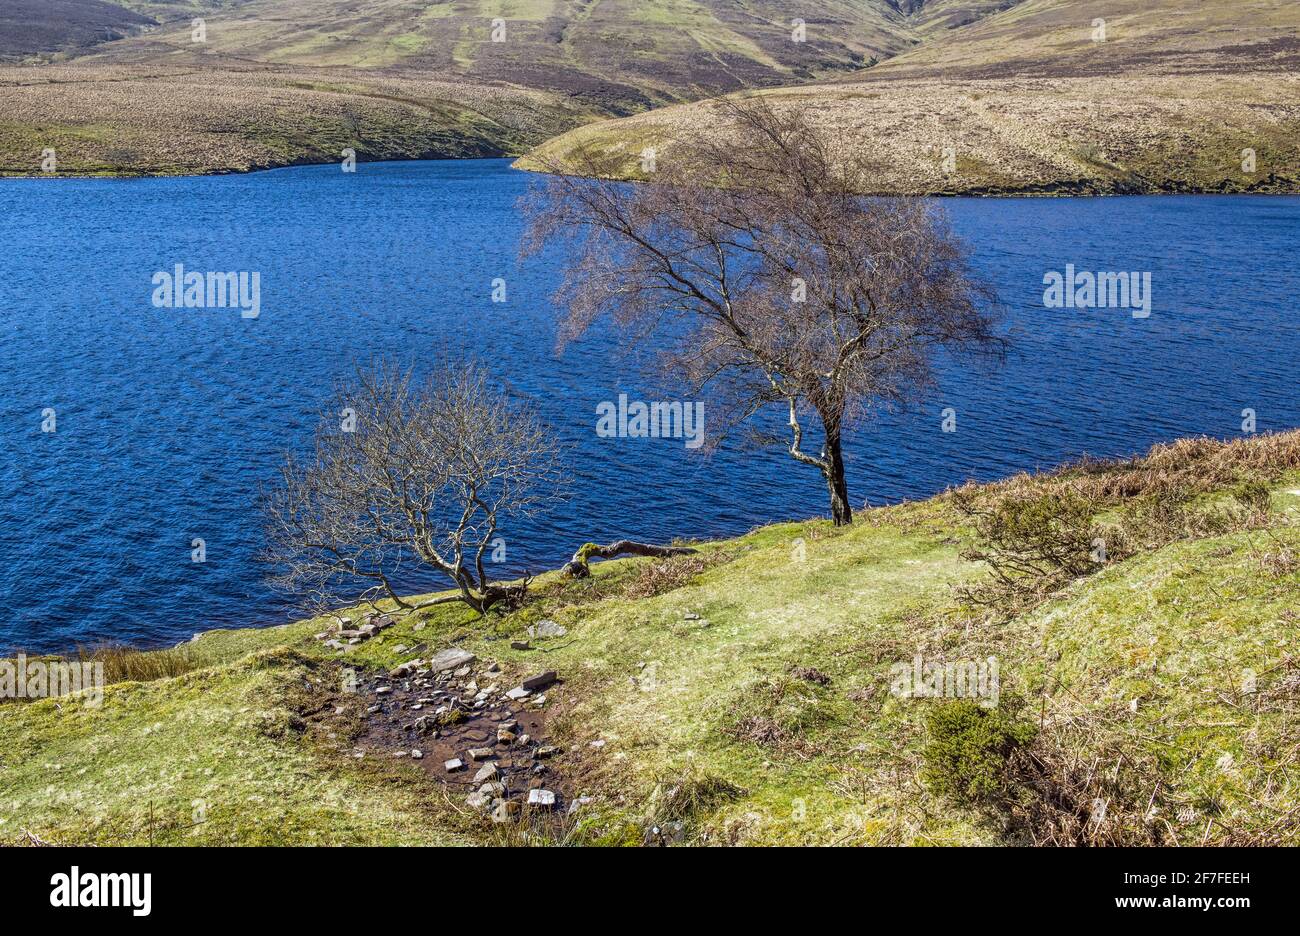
(167, 420)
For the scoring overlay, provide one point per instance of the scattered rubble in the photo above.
(340, 637)
(470, 732)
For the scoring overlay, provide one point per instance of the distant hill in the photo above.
(1049, 96)
(32, 27)
(123, 88)
(620, 55)
(1105, 37)
(278, 82)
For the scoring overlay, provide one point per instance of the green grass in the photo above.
(712, 731)
(215, 757)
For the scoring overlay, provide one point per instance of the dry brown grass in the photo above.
(1038, 532)
(1191, 466)
(134, 119)
(810, 674)
(1082, 783)
(782, 714)
(128, 664)
(666, 575)
(1060, 135)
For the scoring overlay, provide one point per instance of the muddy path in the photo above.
(469, 727)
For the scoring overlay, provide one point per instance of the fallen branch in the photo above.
(578, 568)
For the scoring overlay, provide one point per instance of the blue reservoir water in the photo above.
(167, 420)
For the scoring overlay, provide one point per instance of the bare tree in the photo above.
(408, 475)
(773, 281)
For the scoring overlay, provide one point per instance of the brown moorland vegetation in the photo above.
(1047, 96)
(132, 119)
(948, 96)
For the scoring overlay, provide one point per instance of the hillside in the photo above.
(34, 27)
(181, 120)
(1061, 37)
(621, 55)
(749, 694)
(1035, 99)
(125, 88)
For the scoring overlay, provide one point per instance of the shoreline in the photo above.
(295, 618)
(218, 173)
(737, 671)
(1052, 190)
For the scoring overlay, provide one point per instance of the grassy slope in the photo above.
(177, 120)
(1055, 37)
(424, 79)
(1031, 104)
(625, 53)
(1175, 629)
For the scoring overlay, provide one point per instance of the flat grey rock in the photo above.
(543, 798)
(547, 628)
(540, 681)
(451, 658)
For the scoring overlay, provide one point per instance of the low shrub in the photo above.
(1048, 785)
(968, 755)
(1032, 541)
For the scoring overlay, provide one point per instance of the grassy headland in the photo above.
(1043, 97)
(1011, 136)
(743, 695)
(174, 120)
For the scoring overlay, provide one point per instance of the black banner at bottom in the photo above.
(140, 886)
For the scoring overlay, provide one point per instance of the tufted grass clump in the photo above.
(968, 754)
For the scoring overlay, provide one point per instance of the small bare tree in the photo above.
(774, 280)
(408, 474)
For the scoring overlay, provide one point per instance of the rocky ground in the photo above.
(465, 724)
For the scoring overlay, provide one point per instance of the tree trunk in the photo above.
(841, 512)
(577, 566)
